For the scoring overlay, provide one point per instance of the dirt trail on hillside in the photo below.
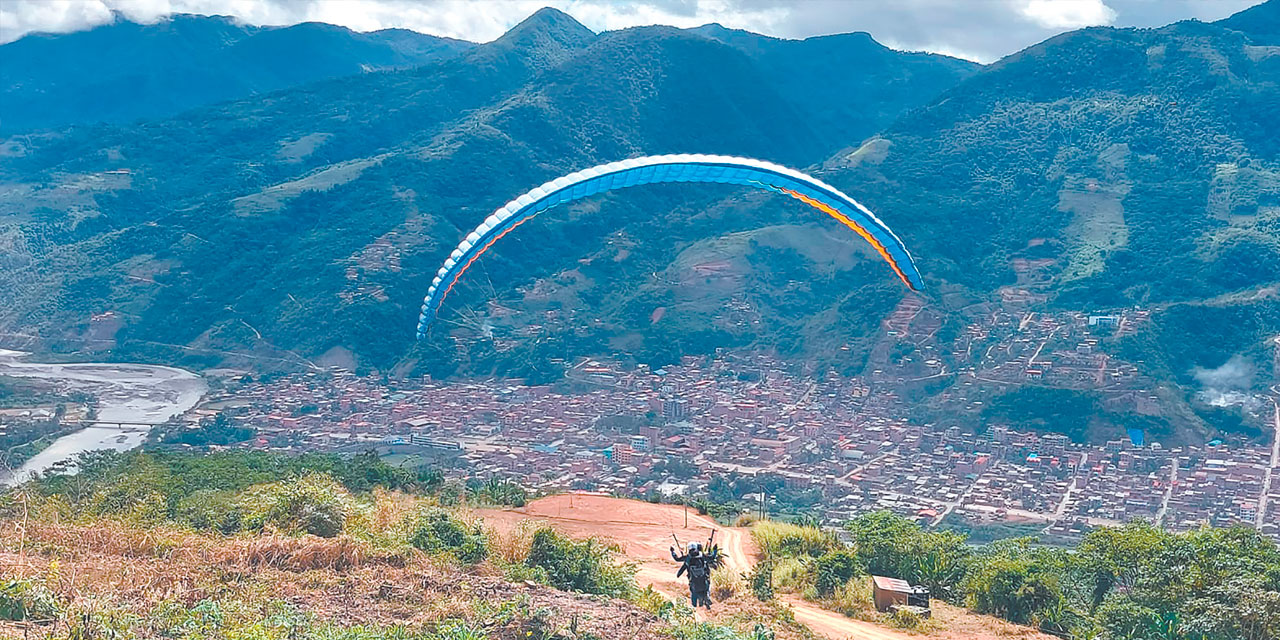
(644, 531)
(836, 626)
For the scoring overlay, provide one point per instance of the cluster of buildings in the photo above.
(912, 434)
(843, 439)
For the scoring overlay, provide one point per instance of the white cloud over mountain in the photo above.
(982, 30)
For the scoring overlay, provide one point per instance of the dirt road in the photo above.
(836, 626)
(644, 531)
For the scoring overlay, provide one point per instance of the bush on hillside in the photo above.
(26, 600)
(833, 570)
(761, 580)
(587, 566)
(891, 545)
(499, 492)
(1014, 581)
(437, 531)
(313, 504)
(210, 510)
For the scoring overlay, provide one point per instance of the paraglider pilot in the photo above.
(698, 565)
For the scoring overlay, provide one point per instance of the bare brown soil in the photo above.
(645, 531)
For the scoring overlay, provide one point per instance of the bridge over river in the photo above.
(131, 399)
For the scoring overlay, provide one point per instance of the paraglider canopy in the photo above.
(669, 168)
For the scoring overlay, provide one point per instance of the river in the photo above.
(131, 398)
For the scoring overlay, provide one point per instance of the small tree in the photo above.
(833, 570)
(587, 566)
(762, 580)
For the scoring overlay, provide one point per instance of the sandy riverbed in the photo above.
(131, 397)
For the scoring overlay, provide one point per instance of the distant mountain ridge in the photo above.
(805, 68)
(124, 71)
(1260, 22)
(264, 213)
(302, 226)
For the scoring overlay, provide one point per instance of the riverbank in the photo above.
(131, 398)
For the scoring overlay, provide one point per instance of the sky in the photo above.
(981, 30)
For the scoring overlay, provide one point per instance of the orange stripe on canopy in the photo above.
(817, 204)
(848, 222)
(458, 275)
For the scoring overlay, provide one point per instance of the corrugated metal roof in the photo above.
(891, 584)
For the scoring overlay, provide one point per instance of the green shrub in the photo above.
(761, 580)
(833, 570)
(521, 572)
(210, 510)
(691, 630)
(891, 545)
(26, 600)
(1012, 588)
(437, 531)
(500, 492)
(654, 602)
(313, 504)
(587, 566)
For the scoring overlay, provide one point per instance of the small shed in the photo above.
(888, 592)
(892, 592)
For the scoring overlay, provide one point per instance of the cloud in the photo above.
(1228, 384)
(1068, 14)
(982, 30)
(19, 17)
(1236, 373)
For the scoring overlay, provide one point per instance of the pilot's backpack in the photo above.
(698, 569)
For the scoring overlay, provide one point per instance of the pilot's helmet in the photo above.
(695, 547)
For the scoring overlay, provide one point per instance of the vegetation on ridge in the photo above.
(1130, 583)
(198, 546)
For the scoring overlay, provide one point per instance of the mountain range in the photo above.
(301, 222)
(125, 71)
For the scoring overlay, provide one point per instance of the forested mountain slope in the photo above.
(124, 71)
(1145, 163)
(311, 219)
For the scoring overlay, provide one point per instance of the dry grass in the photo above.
(854, 599)
(109, 538)
(957, 623)
(307, 553)
(105, 537)
(791, 574)
(386, 516)
(726, 584)
(512, 545)
(112, 568)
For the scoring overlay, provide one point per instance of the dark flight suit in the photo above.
(698, 566)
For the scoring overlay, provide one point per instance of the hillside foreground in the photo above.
(156, 579)
(645, 530)
(161, 578)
